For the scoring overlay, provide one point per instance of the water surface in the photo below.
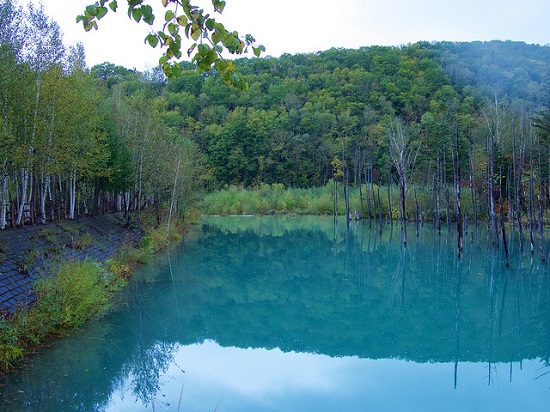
(287, 314)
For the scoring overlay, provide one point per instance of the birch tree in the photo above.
(11, 43)
(42, 53)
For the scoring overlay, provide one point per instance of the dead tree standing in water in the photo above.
(403, 158)
(458, 211)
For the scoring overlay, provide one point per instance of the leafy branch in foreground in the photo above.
(208, 37)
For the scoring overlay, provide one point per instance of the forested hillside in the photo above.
(511, 69)
(432, 116)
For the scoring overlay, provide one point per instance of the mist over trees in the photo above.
(430, 118)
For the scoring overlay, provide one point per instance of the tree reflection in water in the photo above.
(303, 286)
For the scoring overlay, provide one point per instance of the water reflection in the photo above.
(325, 318)
(229, 378)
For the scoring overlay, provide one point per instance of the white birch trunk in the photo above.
(43, 196)
(24, 182)
(72, 194)
(4, 201)
(173, 200)
(118, 202)
(140, 175)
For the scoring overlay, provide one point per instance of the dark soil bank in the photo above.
(31, 252)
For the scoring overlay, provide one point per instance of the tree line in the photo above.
(427, 118)
(73, 145)
(457, 143)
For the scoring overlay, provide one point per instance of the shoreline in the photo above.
(30, 253)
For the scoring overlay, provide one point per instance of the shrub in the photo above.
(78, 292)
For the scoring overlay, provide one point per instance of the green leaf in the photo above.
(169, 15)
(202, 66)
(190, 49)
(221, 65)
(113, 5)
(91, 9)
(174, 48)
(152, 40)
(137, 14)
(195, 32)
(216, 37)
(164, 3)
(182, 20)
(219, 6)
(148, 16)
(210, 23)
(203, 49)
(101, 11)
(211, 57)
(173, 29)
(90, 25)
(167, 70)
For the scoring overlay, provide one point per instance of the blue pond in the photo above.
(304, 314)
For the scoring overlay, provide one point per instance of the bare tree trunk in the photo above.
(375, 206)
(541, 204)
(446, 187)
(541, 233)
(360, 177)
(519, 182)
(174, 191)
(389, 201)
(417, 213)
(345, 183)
(43, 196)
(472, 185)
(502, 224)
(335, 197)
(3, 200)
(490, 197)
(140, 182)
(458, 211)
(531, 214)
(403, 216)
(438, 195)
(380, 209)
(511, 219)
(23, 199)
(72, 194)
(368, 192)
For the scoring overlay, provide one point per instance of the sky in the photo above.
(303, 26)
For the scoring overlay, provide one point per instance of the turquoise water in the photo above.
(300, 314)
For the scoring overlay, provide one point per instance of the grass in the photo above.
(276, 199)
(79, 291)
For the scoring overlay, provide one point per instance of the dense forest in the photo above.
(463, 125)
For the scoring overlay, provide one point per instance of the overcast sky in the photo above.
(296, 26)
